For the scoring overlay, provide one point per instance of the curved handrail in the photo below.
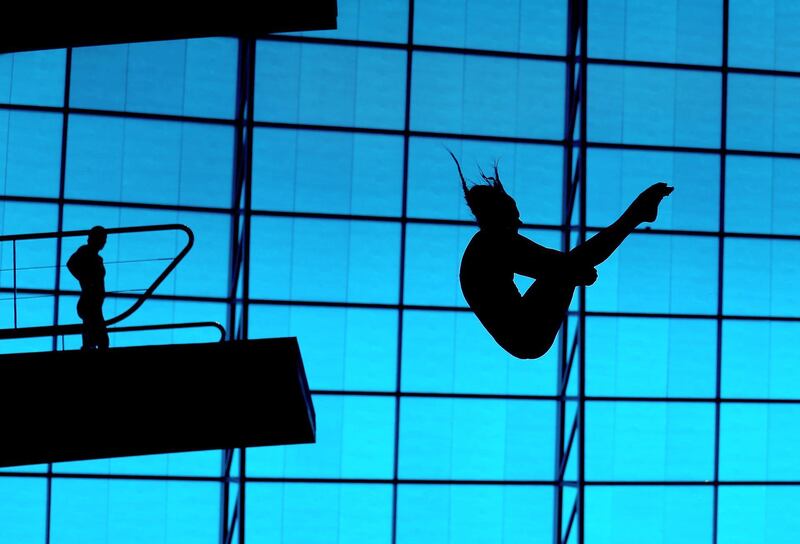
(57, 330)
(168, 326)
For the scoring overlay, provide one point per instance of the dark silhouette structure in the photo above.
(526, 325)
(75, 405)
(86, 265)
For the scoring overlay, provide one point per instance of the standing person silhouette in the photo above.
(86, 265)
(526, 325)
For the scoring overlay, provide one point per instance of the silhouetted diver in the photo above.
(86, 265)
(526, 325)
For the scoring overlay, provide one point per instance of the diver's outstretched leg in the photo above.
(600, 247)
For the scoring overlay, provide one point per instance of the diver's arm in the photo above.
(536, 261)
(533, 260)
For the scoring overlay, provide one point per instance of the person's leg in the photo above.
(600, 247)
(86, 335)
(101, 332)
(539, 317)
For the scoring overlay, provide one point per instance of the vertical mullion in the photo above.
(583, 97)
(236, 190)
(248, 182)
(60, 227)
(569, 94)
(720, 261)
(401, 275)
(236, 254)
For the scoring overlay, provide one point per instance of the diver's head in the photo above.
(97, 238)
(492, 207)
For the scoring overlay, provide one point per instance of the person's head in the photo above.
(97, 238)
(492, 207)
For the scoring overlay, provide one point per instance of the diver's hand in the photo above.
(585, 277)
(645, 208)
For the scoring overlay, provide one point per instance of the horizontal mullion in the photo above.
(694, 483)
(414, 47)
(410, 133)
(388, 306)
(115, 204)
(400, 481)
(699, 400)
(113, 295)
(370, 218)
(433, 395)
(119, 113)
(91, 476)
(400, 132)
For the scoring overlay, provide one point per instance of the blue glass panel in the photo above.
(333, 172)
(319, 513)
(98, 77)
(30, 153)
(180, 77)
(757, 442)
(762, 194)
(355, 439)
(763, 112)
(498, 25)
(385, 21)
(342, 348)
(33, 78)
(758, 515)
(631, 515)
(135, 260)
(653, 106)
(760, 277)
(154, 77)
(433, 254)
(196, 463)
(685, 31)
(616, 177)
(451, 352)
(210, 78)
(468, 439)
(35, 261)
(532, 174)
(471, 514)
(649, 273)
(330, 85)
(651, 357)
(649, 441)
(450, 93)
(759, 359)
(22, 518)
(764, 34)
(328, 260)
(120, 511)
(159, 162)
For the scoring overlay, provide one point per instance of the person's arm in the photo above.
(74, 266)
(536, 261)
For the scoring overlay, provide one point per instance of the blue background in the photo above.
(427, 431)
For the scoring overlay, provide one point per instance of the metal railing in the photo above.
(63, 330)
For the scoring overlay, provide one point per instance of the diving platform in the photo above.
(75, 405)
